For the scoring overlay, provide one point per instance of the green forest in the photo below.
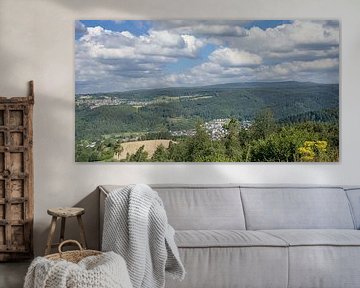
(290, 122)
(265, 141)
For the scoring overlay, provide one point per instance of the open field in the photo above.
(149, 146)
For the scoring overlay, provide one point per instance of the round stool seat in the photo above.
(66, 211)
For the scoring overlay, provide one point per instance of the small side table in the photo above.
(64, 213)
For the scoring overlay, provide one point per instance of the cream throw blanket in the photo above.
(136, 227)
(103, 271)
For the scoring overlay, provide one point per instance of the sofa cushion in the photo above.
(226, 238)
(206, 208)
(296, 208)
(315, 237)
(220, 267)
(322, 258)
(324, 266)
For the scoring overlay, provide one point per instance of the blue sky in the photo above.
(136, 54)
(135, 27)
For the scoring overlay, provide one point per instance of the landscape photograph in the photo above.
(207, 90)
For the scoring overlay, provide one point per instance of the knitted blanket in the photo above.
(136, 227)
(103, 271)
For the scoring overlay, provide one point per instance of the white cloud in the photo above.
(164, 39)
(301, 50)
(322, 70)
(163, 43)
(207, 28)
(300, 38)
(214, 73)
(322, 64)
(234, 57)
(118, 57)
(101, 42)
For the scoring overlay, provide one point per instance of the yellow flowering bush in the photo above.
(312, 151)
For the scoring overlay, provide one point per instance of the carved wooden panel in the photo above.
(16, 177)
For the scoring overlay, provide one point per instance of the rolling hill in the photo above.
(181, 107)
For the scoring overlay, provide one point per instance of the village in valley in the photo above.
(224, 123)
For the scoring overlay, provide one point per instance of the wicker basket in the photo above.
(72, 256)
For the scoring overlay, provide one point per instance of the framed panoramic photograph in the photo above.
(207, 91)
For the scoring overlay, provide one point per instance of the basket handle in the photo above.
(69, 241)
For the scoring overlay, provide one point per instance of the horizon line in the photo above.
(225, 83)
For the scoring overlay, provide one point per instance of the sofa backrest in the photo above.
(354, 198)
(296, 208)
(239, 207)
(199, 207)
(203, 207)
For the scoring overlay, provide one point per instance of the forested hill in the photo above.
(180, 108)
(148, 94)
(284, 84)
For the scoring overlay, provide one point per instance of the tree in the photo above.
(95, 156)
(178, 152)
(139, 156)
(244, 137)
(160, 154)
(279, 147)
(264, 124)
(232, 143)
(197, 146)
(118, 148)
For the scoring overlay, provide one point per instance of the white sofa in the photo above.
(263, 236)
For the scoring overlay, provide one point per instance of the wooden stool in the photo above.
(64, 213)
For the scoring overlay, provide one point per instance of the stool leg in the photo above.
(51, 235)
(62, 230)
(82, 232)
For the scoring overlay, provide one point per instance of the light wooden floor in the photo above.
(12, 274)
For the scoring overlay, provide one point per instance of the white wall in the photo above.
(37, 42)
